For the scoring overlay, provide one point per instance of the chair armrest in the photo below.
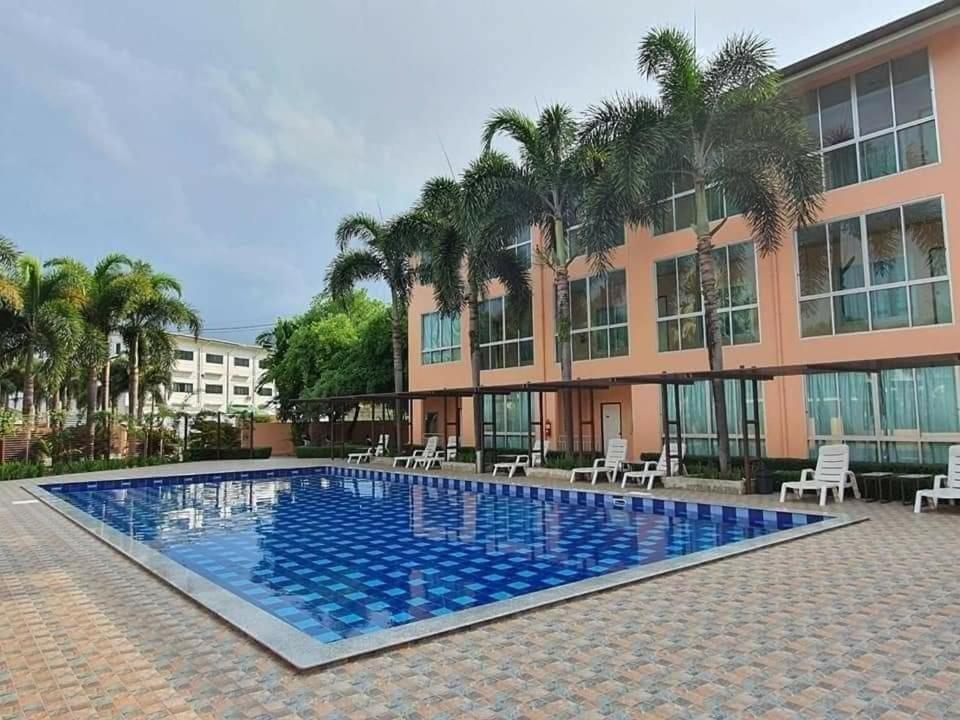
(805, 473)
(939, 481)
(649, 465)
(599, 462)
(521, 458)
(852, 475)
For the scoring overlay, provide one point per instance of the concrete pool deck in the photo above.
(859, 620)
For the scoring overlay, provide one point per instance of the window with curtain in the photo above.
(880, 271)
(697, 417)
(439, 338)
(680, 305)
(878, 122)
(904, 415)
(506, 333)
(513, 417)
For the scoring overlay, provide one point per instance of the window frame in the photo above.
(237, 361)
(454, 350)
(180, 352)
(858, 139)
(678, 317)
(208, 361)
(868, 287)
(591, 328)
(879, 438)
(508, 341)
(711, 434)
(245, 388)
(514, 247)
(175, 383)
(208, 391)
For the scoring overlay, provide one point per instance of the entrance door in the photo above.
(610, 422)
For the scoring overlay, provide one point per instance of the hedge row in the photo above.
(195, 454)
(25, 470)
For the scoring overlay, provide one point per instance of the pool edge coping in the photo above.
(305, 653)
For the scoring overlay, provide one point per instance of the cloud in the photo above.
(269, 132)
(90, 114)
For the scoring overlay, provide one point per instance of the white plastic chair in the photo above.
(360, 457)
(832, 473)
(524, 461)
(653, 469)
(383, 443)
(609, 465)
(945, 487)
(428, 451)
(431, 456)
(451, 450)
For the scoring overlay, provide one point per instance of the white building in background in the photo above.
(217, 376)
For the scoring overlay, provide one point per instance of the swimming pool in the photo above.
(355, 559)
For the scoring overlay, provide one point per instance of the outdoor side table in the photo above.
(878, 478)
(914, 479)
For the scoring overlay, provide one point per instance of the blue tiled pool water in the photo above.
(337, 556)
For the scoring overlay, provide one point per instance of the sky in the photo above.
(223, 140)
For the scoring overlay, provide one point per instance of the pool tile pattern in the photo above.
(851, 623)
(338, 554)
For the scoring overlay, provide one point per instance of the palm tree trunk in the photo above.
(91, 411)
(711, 321)
(473, 333)
(134, 383)
(397, 339)
(28, 388)
(562, 282)
(105, 403)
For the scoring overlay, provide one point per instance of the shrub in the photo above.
(234, 453)
(25, 470)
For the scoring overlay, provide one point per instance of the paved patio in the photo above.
(860, 621)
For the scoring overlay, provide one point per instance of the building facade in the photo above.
(875, 278)
(217, 376)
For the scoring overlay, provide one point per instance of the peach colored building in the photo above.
(875, 279)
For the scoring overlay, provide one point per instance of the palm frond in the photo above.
(515, 125)
(743, 59)
(359, 226)
(670, 56)
(351, 267)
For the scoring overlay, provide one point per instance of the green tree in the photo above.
(337, 347)
(105, 294)
(467, 250)
(9, 295)
(389, 252)
(725, 127)
(156, 304)
(42, 324)
(546, 189)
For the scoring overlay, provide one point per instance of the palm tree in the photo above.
(389, 254)
(546, 189)
(467, 250)
(43, 324)
(157, 358)
(107, 291)
(155, 304)
(9, 296)
(725, 126)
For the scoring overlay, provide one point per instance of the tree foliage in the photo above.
(337, 347)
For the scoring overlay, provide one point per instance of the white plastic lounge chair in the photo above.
(524, 461)
(945, 487)
(451, 450)
(408, 460)
(383, 442)
(360, 457)
(609, 465)
(431, 456)
(832, 473)
(654, 469)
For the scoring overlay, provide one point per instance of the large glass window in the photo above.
(598, 311)
(680, 306)
(506, 333)
(522, 246)
(879, 271)
(909, 415)
(511, 416)
(679, 211)
(876, 123)
(439, 338)
(697, 417)
(577, 249)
